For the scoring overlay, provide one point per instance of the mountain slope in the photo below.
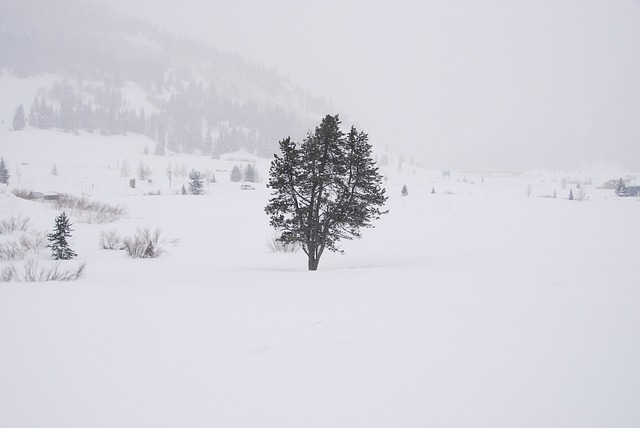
(194, 98)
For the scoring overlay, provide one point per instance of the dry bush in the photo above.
(88, 210)
(581, 194)
(144, 244)
(277, 246)
(17, 248)
(22, 193)
(31, 271)
(110, 240)
(16, 223)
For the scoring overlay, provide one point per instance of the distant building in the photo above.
(633, 190)
(612, 184)
(47, 196)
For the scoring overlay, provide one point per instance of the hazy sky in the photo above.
(463, 84)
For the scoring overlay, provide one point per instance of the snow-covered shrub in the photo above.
(276, 246)
(17, 248)
(110, 240)
(15, 223)
(88, 210)
(31, 271)
(144, 244)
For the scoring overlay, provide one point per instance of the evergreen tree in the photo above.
(207, 148)
(236, 174)
(160, 146)
(433, 190)
(571, 194)
(59, 246)
(143, 171)
(250, 174)
(54, 170)
(19, 120)
(621, 188)
(404, 191)
(4, 172)
(33, 115)
(325, 189)
(183, 190)
(195, 183)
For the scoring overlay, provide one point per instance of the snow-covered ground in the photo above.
(476, 306)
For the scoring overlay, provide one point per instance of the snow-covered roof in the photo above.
(240, 156)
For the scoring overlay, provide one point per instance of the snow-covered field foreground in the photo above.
(472, 307)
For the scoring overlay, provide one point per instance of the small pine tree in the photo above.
(555, 194)
(183, 190)
(250, 174)
(4, 172)
(59, 246)
(404, 191)
(621, 188)
(125, 169)
(195, 183)
(433, 190)
(236, 174)
(19, 119)
(54, 170)
(571, 194)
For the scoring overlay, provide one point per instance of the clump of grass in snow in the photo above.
(19, 247)
(22, 193)
(143, 244)
(276, 246)
(17, 239)
(88, 210)
(110, 240)
(15, 223)
(32, 271)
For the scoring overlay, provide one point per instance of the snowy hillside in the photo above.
(75, 65)
(485, 304)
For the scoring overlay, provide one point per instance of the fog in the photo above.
(461, 84)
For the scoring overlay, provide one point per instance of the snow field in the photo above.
(474, 308)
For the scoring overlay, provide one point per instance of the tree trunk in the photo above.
(313, 262)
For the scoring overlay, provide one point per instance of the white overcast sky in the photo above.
(470, 84)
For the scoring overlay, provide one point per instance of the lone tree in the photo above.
(59, 246)
(4, 172)
(324, 189)
(19, 119)
(405, 190)
(195, 183)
